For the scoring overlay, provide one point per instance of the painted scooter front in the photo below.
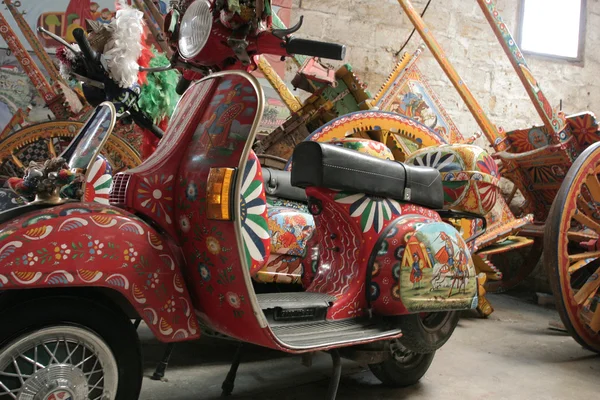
(92, 245)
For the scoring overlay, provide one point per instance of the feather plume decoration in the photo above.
(124, 47)
(158, 96)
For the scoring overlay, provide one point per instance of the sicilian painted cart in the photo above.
(552, 166)
(555, 168)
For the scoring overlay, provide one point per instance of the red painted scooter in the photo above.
(187, 230)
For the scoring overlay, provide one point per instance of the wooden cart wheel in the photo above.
(42, 141)
(401, 134)
(572, 249)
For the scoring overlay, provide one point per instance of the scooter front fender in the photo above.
(94, 245)
(421, 264)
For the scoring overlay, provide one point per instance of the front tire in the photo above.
(404, 368)
(68, 346)
(426, 332)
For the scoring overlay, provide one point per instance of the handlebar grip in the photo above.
(182, 85)
(143, 121)
(90, 56)
(314, 48)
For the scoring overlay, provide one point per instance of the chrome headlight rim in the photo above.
(198, 15)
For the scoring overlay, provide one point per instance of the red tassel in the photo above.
(145, 57)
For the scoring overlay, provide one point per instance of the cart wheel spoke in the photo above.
(595, 322)
(578, 265)
(586, 221)
(593, 185)
(588, 289)
(585, 257)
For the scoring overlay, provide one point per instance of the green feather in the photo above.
(158, 96)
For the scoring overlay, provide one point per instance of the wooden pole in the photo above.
(488, 128)
(551, 121)
(35, 44)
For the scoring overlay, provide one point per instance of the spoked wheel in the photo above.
(404, 368)
(572, 249)
(67, 348)
(426, 332)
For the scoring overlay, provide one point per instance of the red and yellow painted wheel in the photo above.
(45, 140)
(572, 249)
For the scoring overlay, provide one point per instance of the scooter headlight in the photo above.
(195, 28)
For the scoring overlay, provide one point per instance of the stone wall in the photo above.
(374, 31)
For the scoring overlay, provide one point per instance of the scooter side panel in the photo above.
(349, 226)
(421, 264)
(219, 261)
(93, 245)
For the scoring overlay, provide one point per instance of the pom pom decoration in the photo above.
(124, 47)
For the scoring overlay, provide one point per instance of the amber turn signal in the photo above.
(218, 193)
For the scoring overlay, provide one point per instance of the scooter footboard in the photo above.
(421, 265)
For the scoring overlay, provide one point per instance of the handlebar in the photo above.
(314, 48)
(89, 55)
(143, 121)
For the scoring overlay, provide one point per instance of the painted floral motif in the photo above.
(61, 252)
(204, 272)
(233, 299)
(372, 211)
(170, 306)
(213, 245)
(156, 194)
(130, 254)
(95, 247)
(28, 259)
(184, 223)
(98, 181)
(191, 191)
(152, 280)
(253, 208)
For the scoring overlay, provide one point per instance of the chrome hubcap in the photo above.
(58, 363)
(56, 382)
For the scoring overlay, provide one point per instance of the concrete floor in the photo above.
(511, 355)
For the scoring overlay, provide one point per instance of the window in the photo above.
(553, 28)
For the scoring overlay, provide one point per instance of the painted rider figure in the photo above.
(416, 273)
(446, 254)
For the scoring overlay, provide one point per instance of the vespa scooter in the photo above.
(185, 232)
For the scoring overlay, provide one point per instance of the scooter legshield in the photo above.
(93, 245)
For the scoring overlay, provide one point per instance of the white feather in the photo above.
(125, 45)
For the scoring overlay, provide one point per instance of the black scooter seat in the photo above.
(325, 165)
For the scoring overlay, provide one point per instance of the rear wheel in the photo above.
(68, 348)
(404, 368)
(427, 332)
